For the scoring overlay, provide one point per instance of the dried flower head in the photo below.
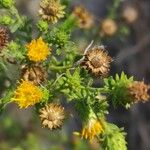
(85, 19)
(130, 13)
(27, 94)
(52, 116)
(109, 27)
(3, 38)
(38, 50)
(34, 73)
(91, 129)
(139, 91)
(97, 61)
(51, 10)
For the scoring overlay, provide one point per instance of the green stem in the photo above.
(113, 9)
(59, 67)
(57, 79)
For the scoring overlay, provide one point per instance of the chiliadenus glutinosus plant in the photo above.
(51, 67)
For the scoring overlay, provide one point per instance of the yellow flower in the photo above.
(37, 50)
(91, 129)
(51, 10)
(27, 94)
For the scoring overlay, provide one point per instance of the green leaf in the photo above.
(117, 89)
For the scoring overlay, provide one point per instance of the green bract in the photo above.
(6, 20)
(113, 138)
(117, 89)
(42, 26)
(6, 3)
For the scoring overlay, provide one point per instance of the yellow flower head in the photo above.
(27, 94)
(37, 50)
(91, 129)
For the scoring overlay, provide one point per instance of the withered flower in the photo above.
(138, 91)
(84, 18)
(3, 37)
(51, 10)
(97, 61)
(52, 116)
(34, 73)
(130, 13)
(109, 27)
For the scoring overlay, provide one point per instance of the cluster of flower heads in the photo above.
(32, 90)
(109, 26)
(86, 20)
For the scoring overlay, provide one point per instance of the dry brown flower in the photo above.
(51, 10)
(97, 61)
(138, 91)
(34, 73)
(3, 37)
(108, 27)
(84, 18)
(52, 116)
(130, 13)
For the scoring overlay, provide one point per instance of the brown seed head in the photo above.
(52, 116)
(130, 13)
(3, 38)
(139, 91)
(85, 19)
(109, 27)
(35, 74)
(51, 10)
(97, 61)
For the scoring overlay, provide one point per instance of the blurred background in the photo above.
(130, 48)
